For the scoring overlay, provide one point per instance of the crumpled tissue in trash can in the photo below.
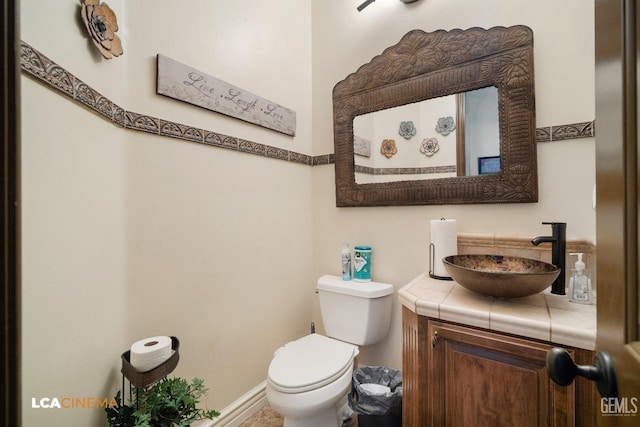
(376, 389)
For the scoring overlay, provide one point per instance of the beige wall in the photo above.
(128, 235)
(344, 39)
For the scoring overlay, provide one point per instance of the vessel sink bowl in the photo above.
(501, 276)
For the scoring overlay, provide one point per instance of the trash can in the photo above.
(376, 396)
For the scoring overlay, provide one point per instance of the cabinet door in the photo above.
(479, 378)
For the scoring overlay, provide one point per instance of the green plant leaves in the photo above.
(171, 402)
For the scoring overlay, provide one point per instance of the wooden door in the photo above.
(617, 44)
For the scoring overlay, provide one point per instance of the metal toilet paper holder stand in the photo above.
(432, 262)
(144, 379)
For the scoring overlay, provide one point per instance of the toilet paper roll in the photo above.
(444, 242)
(150, 352)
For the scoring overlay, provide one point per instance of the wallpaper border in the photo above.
(38, 65)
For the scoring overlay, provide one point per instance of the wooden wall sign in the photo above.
(184, 83)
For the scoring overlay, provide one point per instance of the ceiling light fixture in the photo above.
(368, 2)
(365, 4)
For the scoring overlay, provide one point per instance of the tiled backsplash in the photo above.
(521, 246)
(61, 80)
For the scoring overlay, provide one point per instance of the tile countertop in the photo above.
(543, 316)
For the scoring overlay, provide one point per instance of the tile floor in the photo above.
(267, 417)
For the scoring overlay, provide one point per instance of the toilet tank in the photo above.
(355, 312)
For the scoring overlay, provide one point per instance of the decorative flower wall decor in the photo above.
(445, 125)
(407, 129)
(102, 25)
(429, 147)
(388, 148)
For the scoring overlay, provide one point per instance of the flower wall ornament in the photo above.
(388, 148)
(102, 25)
(445, 125)
(407, 129)
(429, 147)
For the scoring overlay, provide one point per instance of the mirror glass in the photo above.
(441, 117)
(453, 135)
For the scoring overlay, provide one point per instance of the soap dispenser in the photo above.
(580, 283)
(346, 262)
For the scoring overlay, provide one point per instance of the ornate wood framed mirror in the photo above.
(430, 67)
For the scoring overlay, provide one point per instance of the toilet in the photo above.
(309, 378)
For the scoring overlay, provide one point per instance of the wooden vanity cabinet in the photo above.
(460, 376)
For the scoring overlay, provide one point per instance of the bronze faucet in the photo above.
(558, 239)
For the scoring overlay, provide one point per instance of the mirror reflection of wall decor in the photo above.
(442, 68)
(361, 146)
(407, 129)
(388, 148)
(429, 146)
(445, 125)
(488, 165)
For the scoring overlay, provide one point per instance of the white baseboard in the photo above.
(242, 409)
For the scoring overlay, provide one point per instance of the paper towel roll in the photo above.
(150, 352)
(444, 242)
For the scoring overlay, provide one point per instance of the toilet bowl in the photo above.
(308, 378)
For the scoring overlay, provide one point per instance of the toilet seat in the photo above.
(310, 363)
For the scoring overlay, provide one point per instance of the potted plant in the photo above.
(170, 402)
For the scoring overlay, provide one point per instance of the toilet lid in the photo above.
(309, 363)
